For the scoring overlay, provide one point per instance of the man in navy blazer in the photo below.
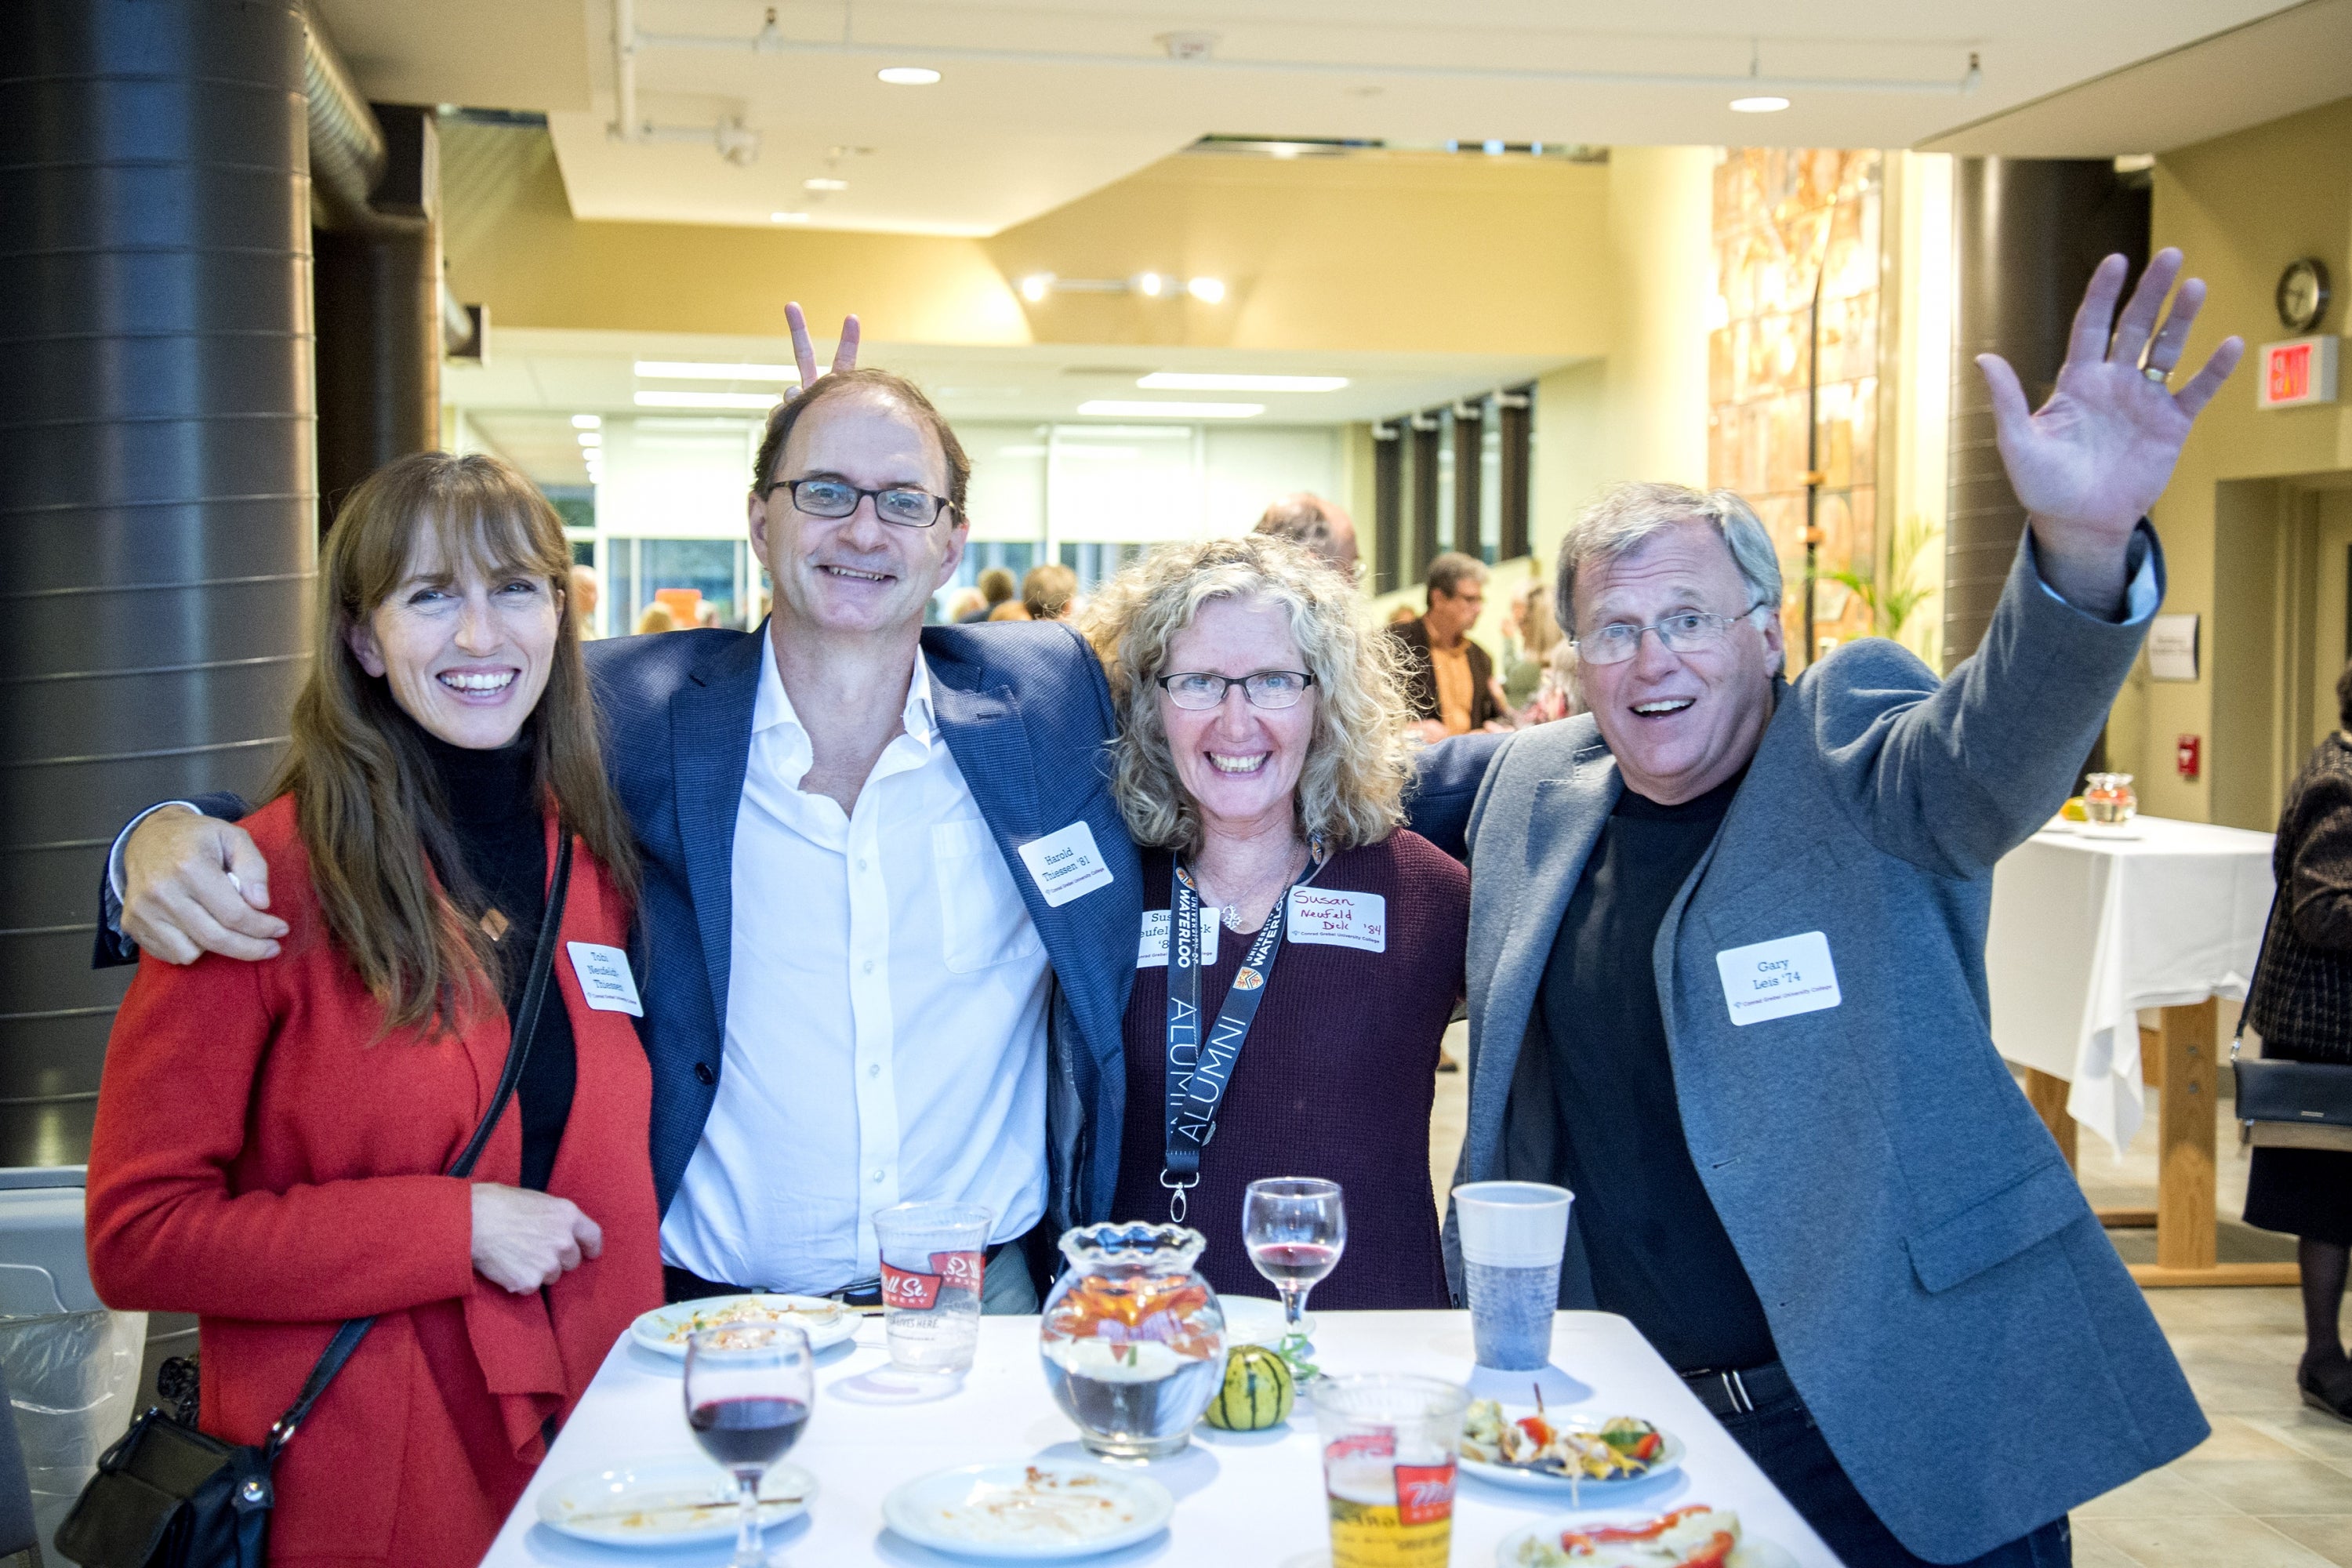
(1008, 1078)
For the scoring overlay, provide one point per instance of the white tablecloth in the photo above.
(2086, 932)
(1244, 1500)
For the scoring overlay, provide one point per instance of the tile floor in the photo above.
(2271, 1488)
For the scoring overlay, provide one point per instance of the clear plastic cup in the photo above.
(1388, 1445)
(1513, 1234)
(934, 1260)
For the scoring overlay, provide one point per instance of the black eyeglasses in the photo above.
(1267, 688)
(902, 504)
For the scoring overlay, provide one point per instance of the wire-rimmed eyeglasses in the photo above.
(1198, 690)
(1686, 631)
(902, 504)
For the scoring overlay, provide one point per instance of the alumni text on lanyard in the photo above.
(1198, 1070)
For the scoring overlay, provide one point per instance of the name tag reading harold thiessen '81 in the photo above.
(1779, 979)
(1066, 864)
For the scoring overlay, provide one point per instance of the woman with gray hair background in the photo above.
(1261, 764)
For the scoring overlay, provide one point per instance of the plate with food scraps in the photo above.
(1694, 1537)
(1033, 1510)
(665, 1330)
(1563, 1452)
(666, 1503)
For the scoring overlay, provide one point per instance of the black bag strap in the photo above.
(526, 1026)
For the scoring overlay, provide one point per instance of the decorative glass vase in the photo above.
(2108, 799)
(1133, 1340)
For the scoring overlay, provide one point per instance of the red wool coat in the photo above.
(266, 1158)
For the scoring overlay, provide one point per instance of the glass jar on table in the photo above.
(1133, 1339)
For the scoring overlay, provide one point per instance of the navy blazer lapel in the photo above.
(710, 741)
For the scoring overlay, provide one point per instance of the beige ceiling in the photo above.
(1043, 103)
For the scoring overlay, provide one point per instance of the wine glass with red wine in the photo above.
(748, 1391)
(1295, 1228)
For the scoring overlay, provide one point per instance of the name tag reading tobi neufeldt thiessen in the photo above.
(1779, 979)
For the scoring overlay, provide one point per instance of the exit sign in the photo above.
(2295, 372)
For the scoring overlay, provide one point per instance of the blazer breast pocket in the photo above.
(982, 922)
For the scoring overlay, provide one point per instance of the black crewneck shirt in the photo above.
(501, 832)
(1659, 1253)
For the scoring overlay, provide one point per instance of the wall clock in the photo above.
(2302, 294)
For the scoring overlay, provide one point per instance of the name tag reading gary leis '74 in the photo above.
(1779, 979)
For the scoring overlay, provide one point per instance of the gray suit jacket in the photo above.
(1959, 1325)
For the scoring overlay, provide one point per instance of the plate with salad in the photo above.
(1694, 1537)
(1563, 1452)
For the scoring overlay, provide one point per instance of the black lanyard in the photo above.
(1198, 1072)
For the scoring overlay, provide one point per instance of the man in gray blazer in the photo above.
(1726, 983)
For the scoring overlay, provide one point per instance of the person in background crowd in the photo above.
(1048, 591)
(656, 618)
(1530, 632)
(2302, 1007)
(270, 1139)
(1261, 756)
(1799, 1165)
(1318, 526)
(587, 592)
(1011, 610)
(707, 615)
(1449, 680)
(965, 607)
(1557, 696)
(1400, 614)
(874, 995)
(996, 587)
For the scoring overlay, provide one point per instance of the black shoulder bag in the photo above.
(169, 1496)
(2289, 1104)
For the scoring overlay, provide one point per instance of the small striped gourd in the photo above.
(1257, 1392)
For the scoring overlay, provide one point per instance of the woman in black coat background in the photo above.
(2302, 1007)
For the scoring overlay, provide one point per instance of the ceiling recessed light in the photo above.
(1492, 147)
(591, 438)
(1119, 408)
(824, 183)
(714, 369)
(1189, 381)
(788, 217)
(1150, 285)
(908, 76)
(755, 400)
(1763, 103)
(1208, 291)
(587, 422)
(1037, 286)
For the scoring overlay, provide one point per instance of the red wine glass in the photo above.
(1295, 1228)
(749, 1387)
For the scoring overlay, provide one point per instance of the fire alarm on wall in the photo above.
(2187, 754)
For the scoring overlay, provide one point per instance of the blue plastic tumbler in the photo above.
(1513, 1234)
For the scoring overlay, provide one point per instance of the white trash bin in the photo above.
(72, 1365)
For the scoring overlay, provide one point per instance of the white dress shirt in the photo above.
(886, 1017)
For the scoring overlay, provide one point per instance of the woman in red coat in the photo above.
(271, 1137)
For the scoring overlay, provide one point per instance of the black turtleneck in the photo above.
(502, 839)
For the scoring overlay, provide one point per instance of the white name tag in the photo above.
(1066, 864)
(1151, 953)
(1338, 918)
(605, 978)
(1779, 979)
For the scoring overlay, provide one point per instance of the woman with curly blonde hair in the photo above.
(1261, 765)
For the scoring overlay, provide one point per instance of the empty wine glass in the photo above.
(748, 1391)
(1295, 1228)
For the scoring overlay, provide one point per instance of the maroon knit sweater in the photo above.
(1335, 1080)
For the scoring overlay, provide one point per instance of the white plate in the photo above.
(1753, 1550)
(945, 1510)
(1527, 1480)
(666, 1503)
(826, 1322)
(1255, 1321)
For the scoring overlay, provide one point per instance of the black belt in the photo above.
(684, 1284)
(1729, 1394)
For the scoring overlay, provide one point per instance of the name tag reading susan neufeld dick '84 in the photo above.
(1777, 979)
